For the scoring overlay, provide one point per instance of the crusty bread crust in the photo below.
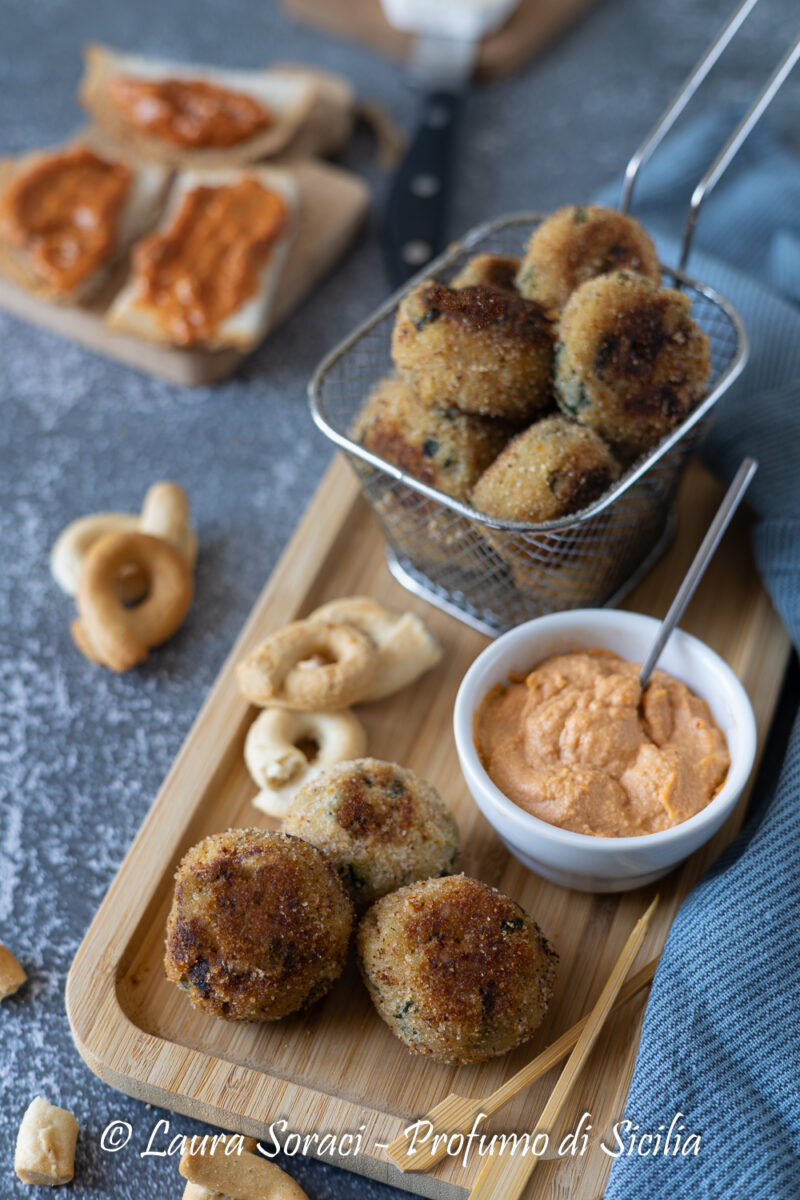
(102, 64)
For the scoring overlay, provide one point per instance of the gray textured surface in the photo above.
(82, 753)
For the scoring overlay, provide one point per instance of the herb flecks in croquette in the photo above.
(436, 444)
(489, 353)
(379, 824)
(550, 470)
(575, 399)
(632, 362)
(479, 306)
(477, 968)
(577, 243)
(259, 923)
(607, 348)
(427, 318)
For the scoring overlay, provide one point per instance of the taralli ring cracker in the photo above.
(45, 1153)
(72, 545)
(406, 647)
(120, 637)
(276, 757)
(309, 665)
(349, 651)
(165, 513)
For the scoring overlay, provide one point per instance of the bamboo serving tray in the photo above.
(333, 204)
(337, 1068)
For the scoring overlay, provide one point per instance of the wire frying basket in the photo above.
(494, 574)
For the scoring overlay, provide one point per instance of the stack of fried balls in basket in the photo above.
(261, 922)
(525, 388)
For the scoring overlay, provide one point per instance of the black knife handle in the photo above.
(415, 220)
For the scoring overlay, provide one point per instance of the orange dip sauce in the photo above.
(64, 212)
(206, 265)
(579, 745)
(188, 112)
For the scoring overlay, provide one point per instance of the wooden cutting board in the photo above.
(338, 1068)
(528, 30)
(333, 204)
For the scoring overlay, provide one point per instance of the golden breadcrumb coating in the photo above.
(440, 446)
(457, 970)
(259, 925)
(579, 243)
(631, 363)
(380, 825)
(482, 349)
(494, 270)
(554, 468)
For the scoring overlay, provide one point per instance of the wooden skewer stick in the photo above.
(457, 1114)
(506, 1177)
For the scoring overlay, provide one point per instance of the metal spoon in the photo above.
(708, 548)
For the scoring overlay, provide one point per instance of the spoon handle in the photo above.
(708, 547)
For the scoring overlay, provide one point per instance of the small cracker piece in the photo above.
(12, 973)
(45, 1153)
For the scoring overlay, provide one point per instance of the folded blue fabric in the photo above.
(721, 1036)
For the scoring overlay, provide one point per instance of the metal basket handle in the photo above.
(734, 142)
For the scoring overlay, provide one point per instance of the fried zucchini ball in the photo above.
(379, 824)
(494, 270)
(440, 446)
(631, 363)
(480, 348)
(579, 243)
(457, 970)
(259, 925)
(548, 471)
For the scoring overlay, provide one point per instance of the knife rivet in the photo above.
(416, 253)
(425, 185)
(438, 116)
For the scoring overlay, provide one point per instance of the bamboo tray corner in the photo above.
(337, 1068)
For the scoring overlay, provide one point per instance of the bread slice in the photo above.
(247, 325)
(288, 95)
(143, 205)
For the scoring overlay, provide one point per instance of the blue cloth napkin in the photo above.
(721, 1036)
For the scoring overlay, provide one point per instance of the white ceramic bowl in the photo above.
(578, 860)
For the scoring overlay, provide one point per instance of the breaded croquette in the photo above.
(259, 925)
(631, 363)
(579, 243)
(482, 349)
(554, 468)
(457, 970)
(440, 446)
(379, 824)
(494, 270)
